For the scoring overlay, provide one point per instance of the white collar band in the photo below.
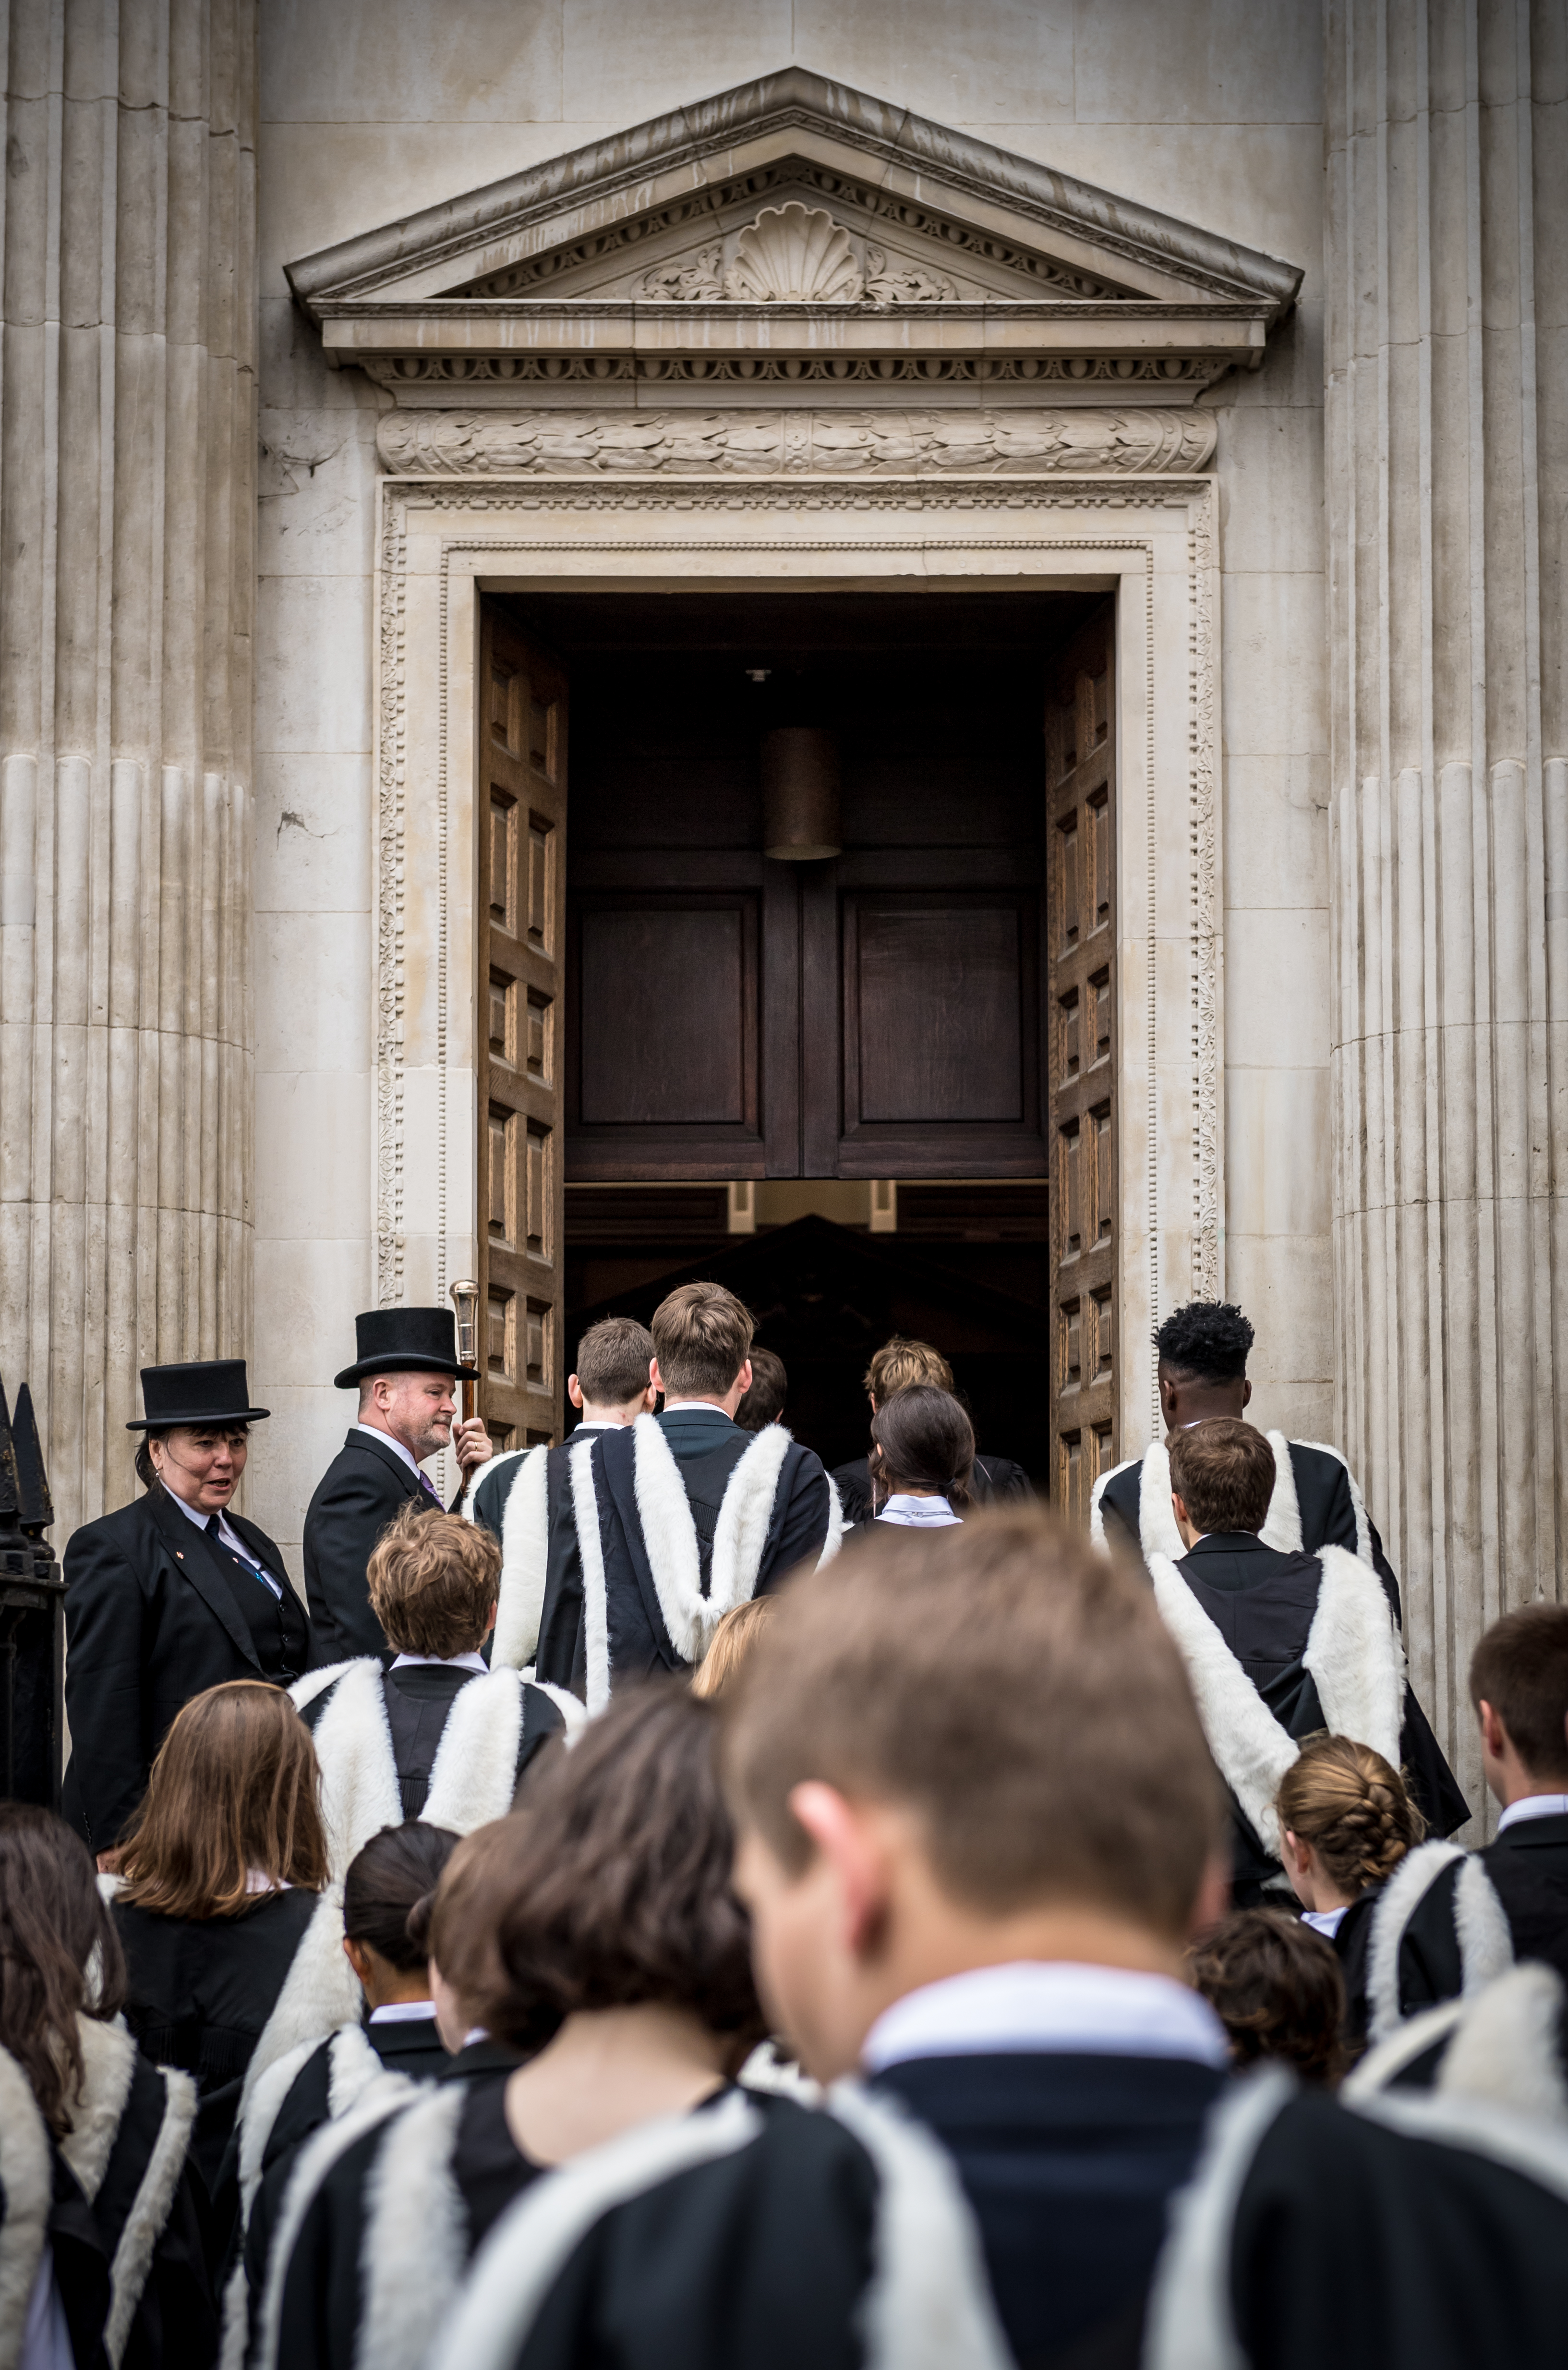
(1061, 2008)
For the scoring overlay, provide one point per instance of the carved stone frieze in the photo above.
(1088, 379)
(795, 255)
(773, 443)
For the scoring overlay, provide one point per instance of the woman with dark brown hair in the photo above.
(593, 1935)
(218, 1881)
(923, 1458)
(100, 2236)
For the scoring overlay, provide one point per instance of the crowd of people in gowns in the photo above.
(680, 1908)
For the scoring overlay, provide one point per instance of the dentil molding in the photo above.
(773, 444)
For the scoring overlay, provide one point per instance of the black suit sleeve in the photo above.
(105, 1640)
(350, 1510)
(804, 1529)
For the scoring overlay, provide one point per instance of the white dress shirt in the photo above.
(920, 1514)
(227, 1537)
(1325, 1922)
(1035, 2007)
(1533, 1806)
(474, 1663)
(389, 1441)
(403, 2012)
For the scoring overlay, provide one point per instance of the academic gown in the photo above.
(201, 1992)
(123, 2161)
(706, 1448)
(418, 1701)
(156, 1612)
(366, 1487)
(548, 1573)
(336, 2267)
(1528, 1865)
(1261, 1603)
(1067, 2163)
(997, 1482)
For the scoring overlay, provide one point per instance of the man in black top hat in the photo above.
(405, 1369)
(169, 1595)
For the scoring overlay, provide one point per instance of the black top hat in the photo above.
(207, 1390)
(406, 1340)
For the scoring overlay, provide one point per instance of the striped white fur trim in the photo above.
(1097, 1538)
(573, 1710)
(351, 2066)
(525, 1548)
(1157, 1529)
(149, 2211)
(304, 1691)
(1383, 2065)
(595, 1598)
(1354, 1654)
(1363, 1527)
(929, 2304)
(1391, 1912)
(259, 2113)
(481, 1473)
(670, 1540)
(1530, 2144)
(1251, 1749)
(535, 2237)
(108, 2068)
(740, 1534)
(416, 2241)
(359, 1772)
(1282, 1525)
(1190, 2325)
(474, 1776)
(319, 1993)
(27, 2179)
(1486, 1938)
(835, 1537)
(1507, 2047)
(311, 2168)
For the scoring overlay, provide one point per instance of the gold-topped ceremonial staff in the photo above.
(464, 1299)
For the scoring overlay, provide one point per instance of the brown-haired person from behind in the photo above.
(436, 1735)
(1452, 1920)
(218, 1881)
(100, 2224)
(899, 1366)
(603, 1946)
(1281, 1645)
(975, 1814)
(1346, 1823)
(1277, 1987)
(523, 1498)
(681, 1515)
(923, 1458)
(764, 1402)
(169, 1595)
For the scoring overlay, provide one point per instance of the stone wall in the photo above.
(372, 108)
(127, 493)
(1448, 442)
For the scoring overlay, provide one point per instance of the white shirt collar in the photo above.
(403, 2012)
(1533, 1806)
(1325, 1922)
(916, 1512)
(388, 1441)
(1030, 2007)
(709, 1407)
(474, 1663)
(227, 1538)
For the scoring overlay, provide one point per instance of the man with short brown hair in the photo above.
(1279, 1644)
(681, 1515)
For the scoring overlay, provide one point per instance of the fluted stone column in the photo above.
(127, 493)
(1447, 495)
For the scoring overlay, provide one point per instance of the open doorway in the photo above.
(878, 1080)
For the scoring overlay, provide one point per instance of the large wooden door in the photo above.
(1080, 1001)
(523, 910)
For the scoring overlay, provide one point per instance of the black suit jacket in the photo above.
(151, 1620)
(365, 1487)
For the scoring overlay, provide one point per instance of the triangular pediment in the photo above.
(791, 199)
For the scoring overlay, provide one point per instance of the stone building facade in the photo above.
(325, 325)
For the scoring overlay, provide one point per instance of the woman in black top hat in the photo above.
(169, 1595)
(405, 1370)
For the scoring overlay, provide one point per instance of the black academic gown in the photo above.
(419, 1701)
(559, 1655)
(1261, 1603)
(1322, 1496)
(155, 1612)
(1527, 1864)
(997, 1482)
(706, 1448)
(766, 2255)
(325, 2286)
(201, 1992)
(366, 1487)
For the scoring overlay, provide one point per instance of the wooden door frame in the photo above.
(1149, 539)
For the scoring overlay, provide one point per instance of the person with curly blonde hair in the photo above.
(1347, 1822)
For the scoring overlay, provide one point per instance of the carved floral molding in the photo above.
(769, 443)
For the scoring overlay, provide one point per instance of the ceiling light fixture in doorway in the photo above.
(800, 794)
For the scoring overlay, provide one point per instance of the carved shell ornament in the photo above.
(793, 255)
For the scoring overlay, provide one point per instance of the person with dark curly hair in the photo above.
(1202, 1351)
(592, 1969)
(1276, 1988)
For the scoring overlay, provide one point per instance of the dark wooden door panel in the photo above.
(932, 1022)
(1081, 1005)
(666, 990)
(521, 904)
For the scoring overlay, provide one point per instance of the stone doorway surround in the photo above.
(792, 338)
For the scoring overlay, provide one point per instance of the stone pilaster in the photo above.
(127, 494)
(1448, 471)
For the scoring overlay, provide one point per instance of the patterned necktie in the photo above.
(429, 1486)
